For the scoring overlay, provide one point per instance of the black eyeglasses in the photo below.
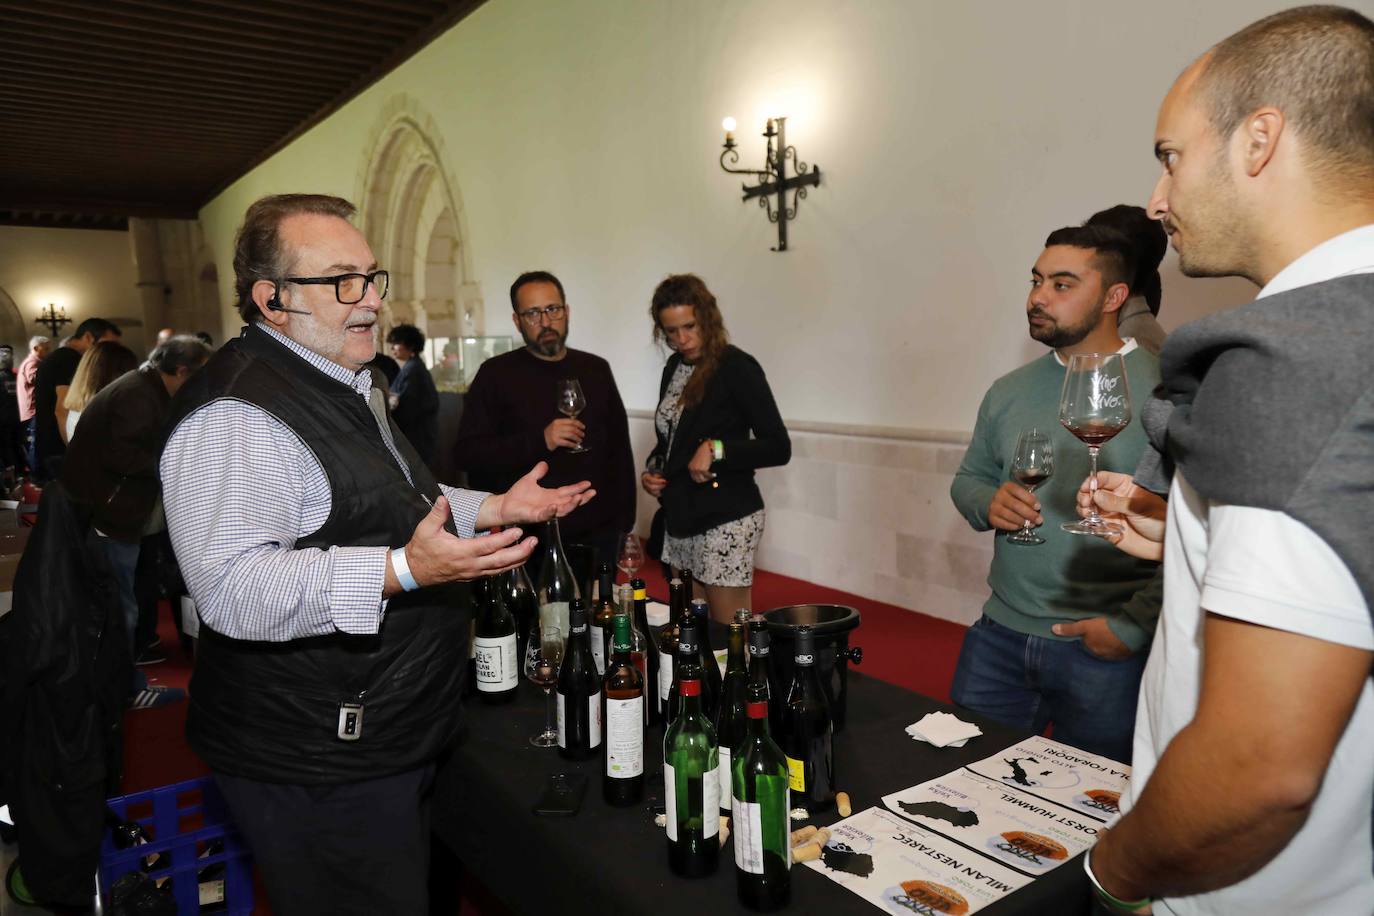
(349, 289)
(551, 312)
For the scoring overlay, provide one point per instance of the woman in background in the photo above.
(414, 399)
(1137, 317)
(716, 423)
(101, 364)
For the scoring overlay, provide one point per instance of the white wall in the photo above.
(87, 271)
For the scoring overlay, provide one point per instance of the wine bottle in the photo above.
(496, 658)
(731, 716)
(652, 711)
(623, 778)
(761, 673)
(557, 584)
(760, 802)
(690, 782)
(710, 668)
(602, 617)
(579, 691)
(518, 593)
(667, 643)
(807, 730)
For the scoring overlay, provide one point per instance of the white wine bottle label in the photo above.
(670, 799)
(710, 802)
(624, 738)
(594, 719)
(747, 824)
(796, 775)
(665, 677)
(598, 639)
(496, 663)
(724, 770)
(562, 723)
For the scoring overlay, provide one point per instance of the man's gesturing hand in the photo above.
(527, 501)
(435, 556)
(1012, 506)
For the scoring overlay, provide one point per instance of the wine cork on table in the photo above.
(842, 803)
(724, 828)
(806, 853)
(803, 835)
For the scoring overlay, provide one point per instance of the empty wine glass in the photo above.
(631, 556)
(1095, 405)
(571, 402)
(544, 665)
(1031, 465)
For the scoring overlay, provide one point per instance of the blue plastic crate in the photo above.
(181, 820)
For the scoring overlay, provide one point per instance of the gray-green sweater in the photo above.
(1070, 576)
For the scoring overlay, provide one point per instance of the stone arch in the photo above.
(13, 331)
(412, 214)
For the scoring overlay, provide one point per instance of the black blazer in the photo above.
(737, 408)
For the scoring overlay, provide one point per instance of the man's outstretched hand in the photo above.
(526, 501)
(435, 556)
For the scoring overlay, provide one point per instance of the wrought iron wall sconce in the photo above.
(773, 178)
(54, 317)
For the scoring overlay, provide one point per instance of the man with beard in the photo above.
(325, 563)
(511, 418)
(1063, 635)
(1254, 767)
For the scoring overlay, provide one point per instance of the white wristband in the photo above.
(402, 570)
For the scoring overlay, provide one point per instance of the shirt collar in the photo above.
(1127, 345)
(1348, 253)
(360, 381)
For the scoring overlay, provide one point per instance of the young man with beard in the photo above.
(324, 560)
(511, 419)
(1254, 763)
(1063, 635)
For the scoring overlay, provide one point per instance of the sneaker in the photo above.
(153, 655)
(153, 697)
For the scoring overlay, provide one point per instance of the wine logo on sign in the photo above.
(1102, 397)
(805, 659)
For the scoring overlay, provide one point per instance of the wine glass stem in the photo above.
(549, 724)
(1093, 518)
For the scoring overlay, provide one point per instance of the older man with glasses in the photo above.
(325, 563)
(511, 418)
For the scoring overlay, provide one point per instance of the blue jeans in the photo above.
(1030, 681)
(123, 560)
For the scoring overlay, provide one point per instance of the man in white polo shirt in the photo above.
(1254, 748)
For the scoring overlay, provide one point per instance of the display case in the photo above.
(453, 361)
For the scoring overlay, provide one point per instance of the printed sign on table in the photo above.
(905, 869)
(1055, 772)
(1017, 829)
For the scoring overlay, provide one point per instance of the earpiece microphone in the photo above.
(274, 305)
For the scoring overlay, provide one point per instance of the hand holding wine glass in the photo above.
(543, 671)
(571, 402)
(1031, 465)
(1095, 405)
(1141, 512)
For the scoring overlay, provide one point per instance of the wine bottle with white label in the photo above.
(731, 718)
(760, 802)
(807, 730)
(495, 655)
(602, 616)
(579, 691)
(667, 645)
(641, 650)
(691, 785)
(623, 778)
(557, 585)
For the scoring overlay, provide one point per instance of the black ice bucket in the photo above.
(831, 624)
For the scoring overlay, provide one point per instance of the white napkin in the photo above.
(943, 730)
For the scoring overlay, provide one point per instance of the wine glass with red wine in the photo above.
(1031, 465)
(1095, 405)
(543, 670)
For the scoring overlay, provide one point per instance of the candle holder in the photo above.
(53, 317)
(773, 178)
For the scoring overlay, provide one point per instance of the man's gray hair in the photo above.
(38, 340)
(181, 350)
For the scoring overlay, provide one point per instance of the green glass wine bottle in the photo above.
(760, 802)
(691, 785)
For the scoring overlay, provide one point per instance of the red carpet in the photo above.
(900, 646)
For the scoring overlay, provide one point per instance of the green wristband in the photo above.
(1121, 906)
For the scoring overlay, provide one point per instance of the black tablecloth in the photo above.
(614, 860)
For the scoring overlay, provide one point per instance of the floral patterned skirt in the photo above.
(723, 555)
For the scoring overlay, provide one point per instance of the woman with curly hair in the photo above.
(716, 423)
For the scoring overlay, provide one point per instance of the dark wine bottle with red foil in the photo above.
(667, 644)
(760, 804)
(710, 668)
(807, 736)
(762, 674)
(732, 723)
(623, 776)
(579, 691)
(691, 782)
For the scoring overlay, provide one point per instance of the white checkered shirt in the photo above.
(240, 488)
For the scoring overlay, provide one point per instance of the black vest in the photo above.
(270, 711)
